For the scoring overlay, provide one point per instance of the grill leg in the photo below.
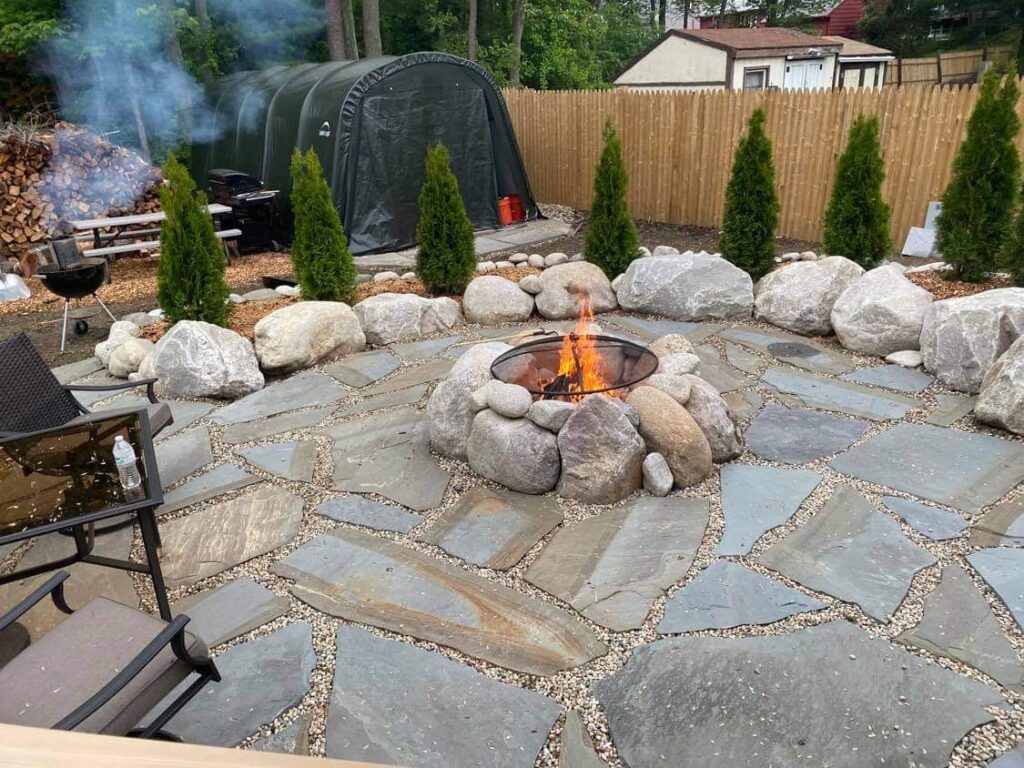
(109, 313)
(64, 329)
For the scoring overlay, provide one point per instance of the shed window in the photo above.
(755, 79)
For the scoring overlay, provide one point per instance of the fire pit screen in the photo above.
(573, 366)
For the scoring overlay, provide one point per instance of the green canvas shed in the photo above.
(370, 122)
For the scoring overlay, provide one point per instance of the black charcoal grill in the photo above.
(73, 279)
(254, 208)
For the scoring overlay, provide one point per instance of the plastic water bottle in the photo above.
(127, 464)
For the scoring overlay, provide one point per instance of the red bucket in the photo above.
(510, 210)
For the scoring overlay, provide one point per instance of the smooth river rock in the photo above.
(714, 418)
(490, 300)
(667, 428)
(363, 578)
(514, 452)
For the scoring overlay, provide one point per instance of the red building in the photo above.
(841, 18)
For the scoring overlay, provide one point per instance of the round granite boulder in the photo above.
(197, 359)
(514, 452)
(689, 286)
(490, 299)
(799, 296)
(390, 317)
(668, 429)
(881, 313)
(300, 335)
(563, 287)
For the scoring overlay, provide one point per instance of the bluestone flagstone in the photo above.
(829, 394)
(756, 499)
(718, 702)
(303, 390)
(360, 510)
(293, 739)
(577, 750)
(411, 376)
(853, 552)
(613, 566)
(743, 359)
(726, 594)
(79, 369)
(370, 580)
(261, 679)
(493, 528)
(743, 404)
(949, 409)
(397, 704)
(363, 368)
(721, 376)
(406, 396)
(651, 329)
(963, 470)
(275, 425)
(90, 398)
(959, 624)
(1003, 569)
(795, 350)
(223, 613)
(388, 454)
(181, 455)
(1001, 526)
(218, 481)
(892, 377)
(934, 523)
(799, 435)
(293, 460)
(413, 351)
(184, 412)
(1012, 759)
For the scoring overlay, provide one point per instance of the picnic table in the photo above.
(119, 223)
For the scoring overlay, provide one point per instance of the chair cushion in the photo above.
(73, 661)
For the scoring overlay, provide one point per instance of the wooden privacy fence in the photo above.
(679, 146)
(953, 67)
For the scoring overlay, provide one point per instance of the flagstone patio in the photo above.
(848, 592)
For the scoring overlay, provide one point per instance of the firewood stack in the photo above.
(66, 173)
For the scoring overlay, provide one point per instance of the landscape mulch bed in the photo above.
(942, 288)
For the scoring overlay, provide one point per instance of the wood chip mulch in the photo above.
(939, 286)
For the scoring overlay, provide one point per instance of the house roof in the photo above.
(737, 39)
(854, 48)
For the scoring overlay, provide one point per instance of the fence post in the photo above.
(938, 67)
(899, 71)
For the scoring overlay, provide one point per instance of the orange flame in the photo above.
(579, 360)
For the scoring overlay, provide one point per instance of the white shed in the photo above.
(733, 59)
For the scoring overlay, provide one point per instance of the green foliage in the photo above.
(1012, 257)
(751, 204)
(857, 219)
(320, 255)
(978, 203)
(611, 235)
(190, 279)
(24, 23)
(446, 257)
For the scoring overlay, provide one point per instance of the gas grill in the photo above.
(254, 209)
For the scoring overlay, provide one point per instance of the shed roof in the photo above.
(737, 39)
(853, 48)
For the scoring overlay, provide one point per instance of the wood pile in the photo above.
(64, 173)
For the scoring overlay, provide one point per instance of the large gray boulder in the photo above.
(390, 317)
(299, 335)
(563, 286)
(714, 418)
(799, 297)
(491, 299)
(479, 356)
(962, 338)
(602, 454)
(1001, 401)
(881, 313)
(450, 411)
(197, 359)
(514, 452)
(690, 286)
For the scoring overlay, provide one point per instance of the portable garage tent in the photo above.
(370, 122)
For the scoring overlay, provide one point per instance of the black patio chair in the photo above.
(31, 398)
(102, 669)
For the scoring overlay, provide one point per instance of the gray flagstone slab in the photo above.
(721, 376)
(89, 398)
(397, 704)
(959, 624)
(219, 537)
(492, 528)
(411, 376)
(364, 368)
(1012, 759)
(756, 499)
(293, 739)
(613, 566)
(303, 390)
(892, 377)
(370, 580)
(963, 470)
(795, 350)
(70, 372)
(851, 399)
(934, 523)
(744, 403)
(261, 679)
(407, 396)
(184, 412)
(1003, 570)
(741, 358)
(275, 425)
(651, 329)
(949, 409)
(1001, 526)
(726, 595)
(577, 750)
(223, 613)
(181, 455)
(413, 351)
(799, 436)
(853, 552)
(827, 695)
(359, 510)
(218, 481)
(292, 461)
(388, 454)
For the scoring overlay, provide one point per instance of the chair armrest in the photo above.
(174, 635)
(54, 587)
(147, 383)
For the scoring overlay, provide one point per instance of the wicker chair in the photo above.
(31, 398)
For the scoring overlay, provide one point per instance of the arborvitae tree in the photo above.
(1012, 257)
(611, 235)
(446, 257)
(320, 256)
(190, 278)
(857, 219)
(978, 203)
(751, 205)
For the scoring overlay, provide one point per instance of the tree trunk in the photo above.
(471, 37)
(662, 14)
(202, 13)
(348, 18)
(335, 30)
(140, 125)
(371, 28)
(721, 14)
(686, 14)
(518, 22)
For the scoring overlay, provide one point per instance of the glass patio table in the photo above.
(64, 480)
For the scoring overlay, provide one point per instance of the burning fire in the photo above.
(580, 365)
